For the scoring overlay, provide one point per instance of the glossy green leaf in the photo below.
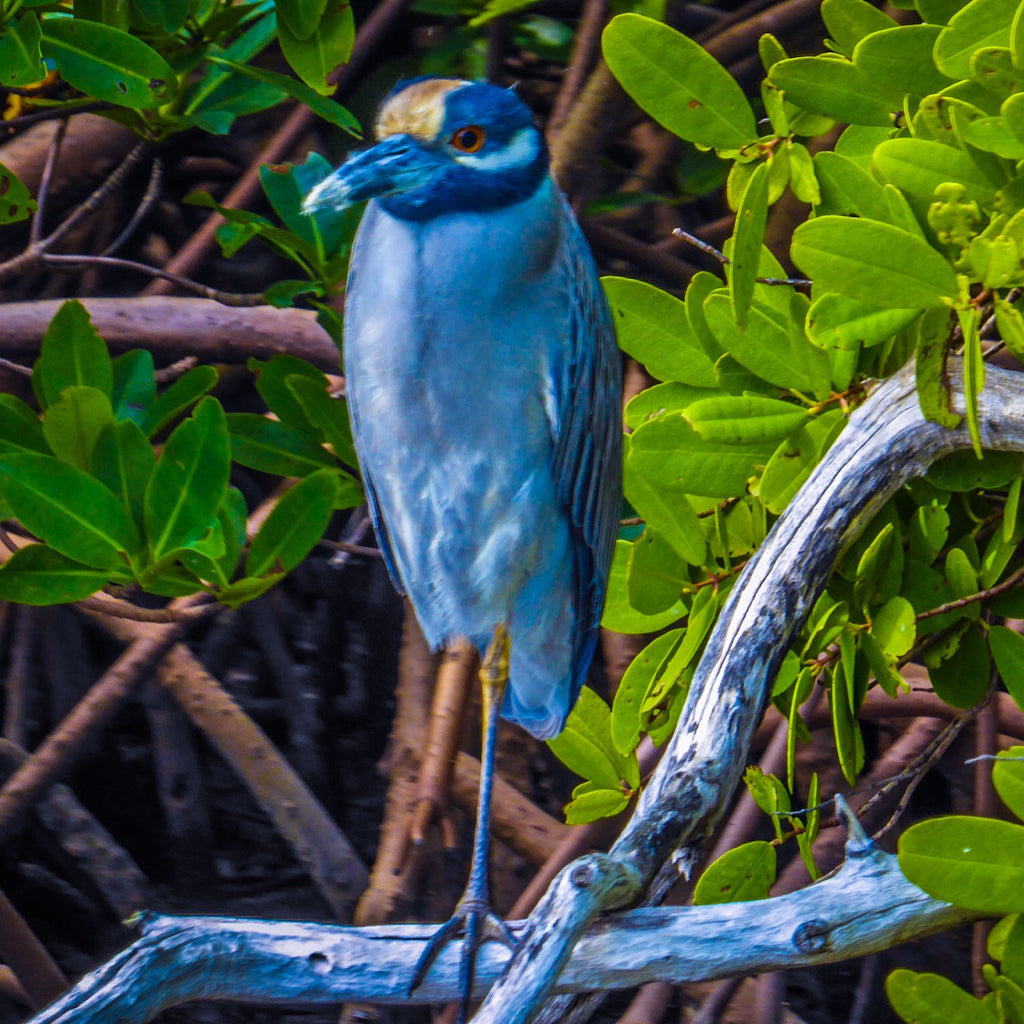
(21, 63)
(932, 999)
(678, 83)
(849, 742)
(744, 419)
(846, 188)
(108, 64)
(974, 372)
(1008, 651)
(899, 60)
(972, 862)
(660, 398)
(248, 589)
(775, 351)
(656, 574)
(619, 615)
(590, 803)
(625, 725)
(931, 351)
(328, 414)
(837, 321)
(74, 422)
(172, 402)
(980, 23)
(189, 481)
(918, 167)
(744, 873)
(38, 575)
(873, 263)
(314, 56)
(1008, 778)
(672, 455)
(232, 98)
(123, 460)
(964, 471)
(585, 745)
(68, 509)
(273, 447)
(297, 522)
(670, 514)
(15, 201)
(878, 579)
(286, 186)
(849, 21)
(832, 87)
(20, 429)
(893, 626)
(652, 327)
(169, 15)
(134, 384)
(301, 17)
(271, 383)
(72, 353)
(748, 235)
(963, 677)
(322, 106)
(794, 459)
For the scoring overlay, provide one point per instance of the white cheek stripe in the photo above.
(521, 151)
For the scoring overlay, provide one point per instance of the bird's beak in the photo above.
(396, 164)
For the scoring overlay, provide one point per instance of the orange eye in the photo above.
(469, 139)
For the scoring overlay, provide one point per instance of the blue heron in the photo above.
(484, 387)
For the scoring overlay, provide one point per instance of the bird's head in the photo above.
(444, 145)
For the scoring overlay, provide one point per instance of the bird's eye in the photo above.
(469, 139)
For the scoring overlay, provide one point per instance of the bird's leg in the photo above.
(473, 916)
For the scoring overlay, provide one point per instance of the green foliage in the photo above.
(107, 506)
(974, 863)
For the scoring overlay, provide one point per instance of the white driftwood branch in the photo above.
(867, 906)
(886, 443)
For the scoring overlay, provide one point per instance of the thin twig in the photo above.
(36, 231)
(720, 256)
(149, 197)
(1014, 579)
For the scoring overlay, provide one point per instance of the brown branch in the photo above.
(39, 976)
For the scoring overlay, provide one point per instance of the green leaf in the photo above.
(919, 166)
(15, 201)
(322, 106)
(72, 353)
(68, 509)
(670, 514)
(593, 803)
(775, 351)
(794, 459)
(656, 574)
(286, 186)
(748, 236)
(660, 398)
(134, 384)
(652, 327)
(1008, 651)
(169, 15)
(932, 999)
(893, 626)
(849, 742)
(327, 414)
(636, 683)
(271, 383)
(838, 322)
(297, 522)
(847, 188)
(172, 402)
(963, 677)
(273, 447)
(123, 460)
(899, 61)
(232, 98)
(20, 60)
(930, 355)
(314, 56)
(619, 615)
(302, 17)
(883, 666)
(964, 471)
(1008, 777)
(74, 422)
(878, 579)
(873, 262)
(972, 862)
(189, 481)
(672, 455)
(744, 873)
(20, 429)
(678, 83)
(38, 575)
(979, 24)
(832, 87)
(585, 747)
(974, 372)
(108, 64)
(744, 419)
(849, 21)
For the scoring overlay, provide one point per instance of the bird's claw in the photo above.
(475, 921)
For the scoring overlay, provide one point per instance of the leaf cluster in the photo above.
(121, 484)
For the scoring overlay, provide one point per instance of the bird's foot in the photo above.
(476, 923)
